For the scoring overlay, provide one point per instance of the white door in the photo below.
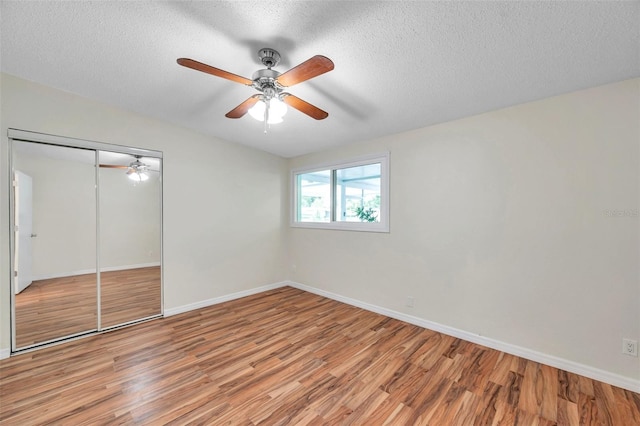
(24, 230)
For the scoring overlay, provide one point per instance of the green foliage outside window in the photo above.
(366, 215)
(307, 201)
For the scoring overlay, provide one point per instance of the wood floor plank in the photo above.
(488, 406)
(568, 386)
(567, 412)
(588, 409)
(400, 416)
(547, 390)
(286, 357)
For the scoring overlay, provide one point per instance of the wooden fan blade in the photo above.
(310, 68)
(112, 166)
(242, 109)
(305, 107)
(199, 66)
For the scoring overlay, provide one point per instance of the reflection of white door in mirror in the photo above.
(24, 230)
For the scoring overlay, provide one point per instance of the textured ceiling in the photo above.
(398, 65)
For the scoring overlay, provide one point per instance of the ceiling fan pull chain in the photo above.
(266, 115)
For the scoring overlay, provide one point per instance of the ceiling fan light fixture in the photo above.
(137, 176)
(137, 171)
(277, 110)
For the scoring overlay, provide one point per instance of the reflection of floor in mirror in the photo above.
(58, 307)
(130, 295)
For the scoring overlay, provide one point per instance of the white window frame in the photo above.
(382, 226)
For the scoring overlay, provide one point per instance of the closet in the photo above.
(86, 240)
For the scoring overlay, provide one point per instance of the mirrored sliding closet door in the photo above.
(55, 242)
(129, 238)
(87, 237)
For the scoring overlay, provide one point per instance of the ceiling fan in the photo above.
(136, 170)
(267, 105)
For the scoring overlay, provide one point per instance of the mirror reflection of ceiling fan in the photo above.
(136, 170)
(269, 104)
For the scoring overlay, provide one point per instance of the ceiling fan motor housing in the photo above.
(269, 57)
(265, 81)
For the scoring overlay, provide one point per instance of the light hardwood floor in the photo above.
(59, 307)
(288, 357)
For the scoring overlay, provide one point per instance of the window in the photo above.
(352, 195)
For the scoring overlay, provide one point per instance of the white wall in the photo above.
(223, 205)
(130, 215)
(499, 228)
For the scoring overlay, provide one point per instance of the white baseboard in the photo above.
(125, 267)
(93, 271)
(550, 360)
(5, 353)
(226, 298)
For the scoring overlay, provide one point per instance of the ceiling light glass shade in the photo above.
(137, 171)
(277, 110)
(137, 176)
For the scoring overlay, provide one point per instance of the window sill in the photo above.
(343, 226)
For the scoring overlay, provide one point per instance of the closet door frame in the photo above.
(43, 138)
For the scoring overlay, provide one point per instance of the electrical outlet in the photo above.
(409, 302)
(630, 347)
